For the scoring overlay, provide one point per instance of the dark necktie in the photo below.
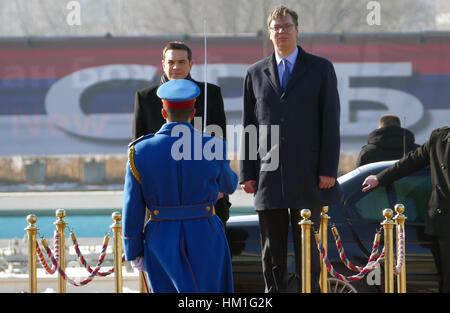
(285, 78)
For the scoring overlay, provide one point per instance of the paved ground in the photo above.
(49, 200)
(82, 200)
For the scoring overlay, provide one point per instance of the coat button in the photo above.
(156, 212)
(208, 208)
(439, 211)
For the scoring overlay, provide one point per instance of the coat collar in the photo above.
(448, 136)
(164, 78)
(271, 71)
(167, 127)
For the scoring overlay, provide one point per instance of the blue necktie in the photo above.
(285, 78)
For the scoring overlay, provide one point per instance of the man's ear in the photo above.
(164, 113)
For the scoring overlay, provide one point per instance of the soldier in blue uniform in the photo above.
(183, 246)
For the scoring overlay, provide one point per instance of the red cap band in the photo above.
(178, 105)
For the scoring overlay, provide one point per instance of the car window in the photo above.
(413, 192)
(372, 204)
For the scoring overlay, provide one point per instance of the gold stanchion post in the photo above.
(142, 283)
(324, 238)
(117, 229)
(388, 226)
(400, 220)
(31, 235)
(306, 250)
(61, 229)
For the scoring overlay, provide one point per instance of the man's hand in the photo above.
(220, 196)
(370, 182)
(326, 182)
(249, 186)
(138, 263)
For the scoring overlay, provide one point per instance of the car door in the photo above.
(413, 192)
(364, 215)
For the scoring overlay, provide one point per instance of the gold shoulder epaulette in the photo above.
(135, 141)
(133, 168)
(139, 139)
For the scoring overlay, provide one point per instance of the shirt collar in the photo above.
(291, 58)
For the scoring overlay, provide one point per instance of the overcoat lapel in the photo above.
(446, 141)
(299, 69)
(271, 71)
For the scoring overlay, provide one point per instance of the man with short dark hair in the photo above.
(177, 63)
(389, 120)
(389, 142)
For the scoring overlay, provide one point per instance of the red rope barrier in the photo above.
(343, 257)
(56, 266)
(49, 253)
(100, 259)
(400, 250)
(373, 260)
(366, 269)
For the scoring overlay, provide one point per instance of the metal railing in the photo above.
(391, 267)
(58, 256)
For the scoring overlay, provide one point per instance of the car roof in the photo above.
(366, 169)
(363, 170)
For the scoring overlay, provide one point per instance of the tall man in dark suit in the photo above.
(297, 91)
(177, 63)
(435, 153)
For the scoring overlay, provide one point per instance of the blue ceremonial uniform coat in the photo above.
(184, 243)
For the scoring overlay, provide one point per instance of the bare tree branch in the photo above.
(230, 17)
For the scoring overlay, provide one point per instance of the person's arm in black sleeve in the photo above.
(413, 161)
(138, 125)
(216, 115)
(248, 165)
(330, 109)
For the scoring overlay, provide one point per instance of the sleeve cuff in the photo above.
(133, 247)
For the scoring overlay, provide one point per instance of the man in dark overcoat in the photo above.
(435, 153)
(291, 95)
(177, 63)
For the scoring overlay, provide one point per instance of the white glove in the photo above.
(138, 264)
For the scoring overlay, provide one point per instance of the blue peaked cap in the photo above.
(178, 90)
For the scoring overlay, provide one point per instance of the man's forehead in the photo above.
(287, 18)
(176, 54)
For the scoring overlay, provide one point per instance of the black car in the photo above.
(356, 218)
